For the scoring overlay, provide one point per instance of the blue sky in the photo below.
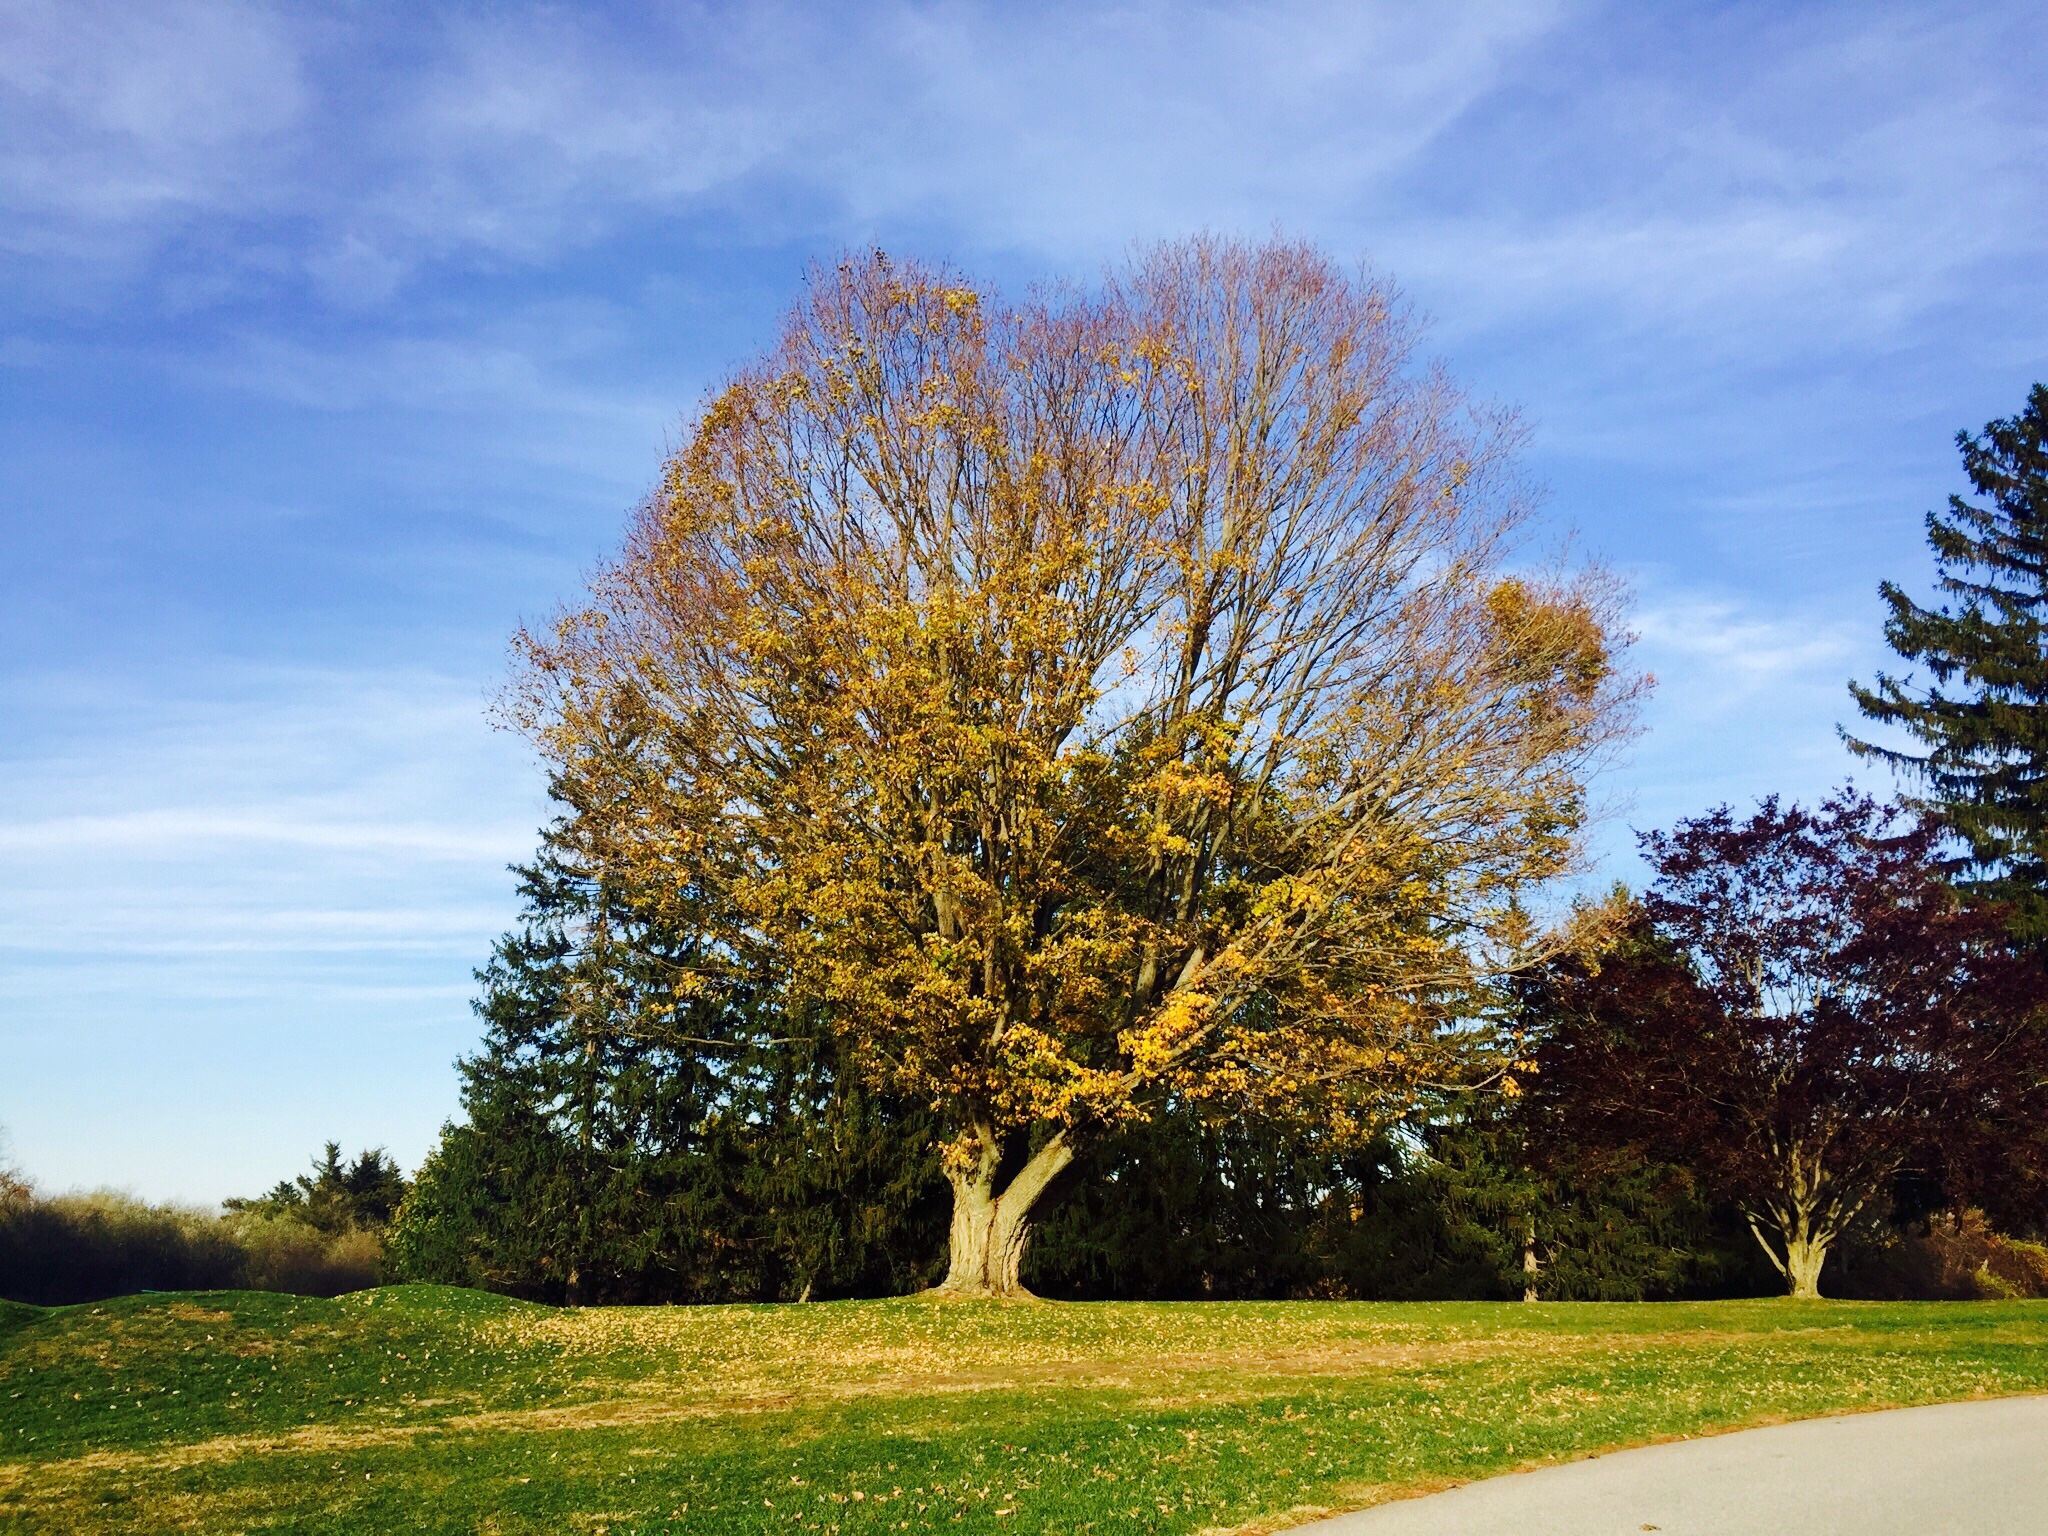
(334, 341)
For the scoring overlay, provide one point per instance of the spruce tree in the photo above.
(1983, 717)
(624, 1142)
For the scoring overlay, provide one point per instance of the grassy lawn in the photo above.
(417, 1408)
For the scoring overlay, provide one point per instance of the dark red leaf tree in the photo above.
(1803, 1008)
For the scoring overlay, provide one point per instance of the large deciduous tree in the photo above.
(1804, 1010)
(1092, 700)
(1982, 716)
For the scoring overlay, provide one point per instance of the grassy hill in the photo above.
(419, 1408)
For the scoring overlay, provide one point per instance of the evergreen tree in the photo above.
(623, 1142)
(1557, 1221)
(337, 1196)
(1193, 1205)
(1188, 1206)
(1983, 719)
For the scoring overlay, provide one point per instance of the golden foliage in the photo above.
(1098, 696)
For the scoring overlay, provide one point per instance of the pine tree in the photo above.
(1983, 718)
(337, 1196)
(624, 1143)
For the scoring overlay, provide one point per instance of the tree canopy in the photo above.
(337, 1196)
(1091, 699)
(1982, 718)
(1804, 1010)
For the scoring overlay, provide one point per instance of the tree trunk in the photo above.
(1803, 1259)
(1805, 1254)
(990, 1229)
(1807, 1218)
(1530, 1267)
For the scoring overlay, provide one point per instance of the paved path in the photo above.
(1979, 1468)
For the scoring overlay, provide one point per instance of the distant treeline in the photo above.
(319, 1235)
(1176, 1217)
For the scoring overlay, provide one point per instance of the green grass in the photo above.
(419, 1408)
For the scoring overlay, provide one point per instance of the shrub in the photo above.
(76, 1248)
(85, 1247)
(1955, 1256)
(284, 1253)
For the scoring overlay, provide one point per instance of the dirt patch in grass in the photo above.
(189, 1312)
(1345, 1498)
(697, 1350)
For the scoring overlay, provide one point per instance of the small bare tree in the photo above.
(1091, 699)
(14, 1188)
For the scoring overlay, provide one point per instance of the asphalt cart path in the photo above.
(1978, 1467)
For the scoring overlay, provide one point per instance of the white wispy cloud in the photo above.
(205, 824)
(515, 133)
(158, 832)
(242, 910)
(118, 117)
(1123, 121)
(1751, 691)
(1752, 185)
(1809, 157)
(1737, 651)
